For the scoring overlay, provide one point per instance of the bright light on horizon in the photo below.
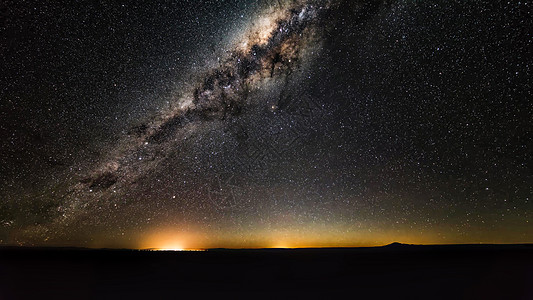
(170, 249)
(176, 249)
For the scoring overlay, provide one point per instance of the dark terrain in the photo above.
(392, 272)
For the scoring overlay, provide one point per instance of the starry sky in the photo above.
(290, 123)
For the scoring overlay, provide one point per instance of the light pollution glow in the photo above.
(177, 240)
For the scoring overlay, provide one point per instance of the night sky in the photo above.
(247, 123)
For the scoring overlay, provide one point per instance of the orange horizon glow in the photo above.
(170, 240)
(184, 237)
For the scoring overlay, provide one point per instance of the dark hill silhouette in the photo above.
(397, 244)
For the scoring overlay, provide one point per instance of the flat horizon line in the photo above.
(154, 249)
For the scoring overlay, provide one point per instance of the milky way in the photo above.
(265, 123)
(270, 50)
(220, 94)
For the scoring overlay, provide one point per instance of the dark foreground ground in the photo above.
(390, 272)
